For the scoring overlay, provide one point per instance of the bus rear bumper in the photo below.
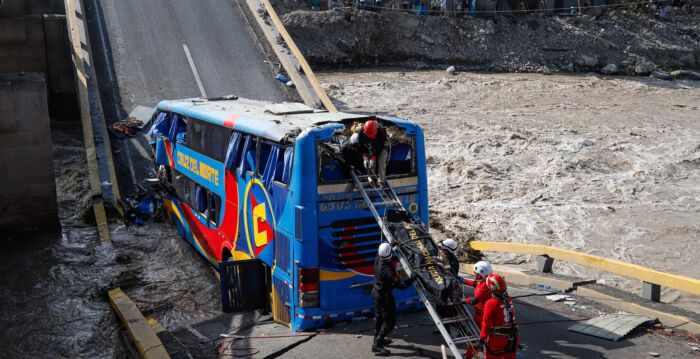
(310, 319)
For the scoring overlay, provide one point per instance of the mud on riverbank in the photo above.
(618, 42)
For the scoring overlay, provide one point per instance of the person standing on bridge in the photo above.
(482, 270)
(375, 142)
(499, 330)
(385, 280)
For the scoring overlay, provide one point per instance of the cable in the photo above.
(437, 12)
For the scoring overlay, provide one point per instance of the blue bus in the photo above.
(252, 180)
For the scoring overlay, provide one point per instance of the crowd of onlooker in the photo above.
(418, 7)
(458, 8)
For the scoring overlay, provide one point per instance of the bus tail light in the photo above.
(308, 287)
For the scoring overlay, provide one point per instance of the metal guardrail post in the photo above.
(544, 263)
(651, 291)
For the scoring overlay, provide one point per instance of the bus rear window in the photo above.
(336, 155)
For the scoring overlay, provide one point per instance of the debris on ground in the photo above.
(128, 127)
(612, 326)
(559, 297)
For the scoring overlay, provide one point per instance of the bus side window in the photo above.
(263, 158)
(279, 166)
(287, 158)
(214, 208)
(248, 159)
(234, 150)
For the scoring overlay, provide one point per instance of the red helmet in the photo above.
(370, 129)
(496, 283)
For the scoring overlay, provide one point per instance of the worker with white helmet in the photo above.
(482, 270)
(385, 280)
(448, 256)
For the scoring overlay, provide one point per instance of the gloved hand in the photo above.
(372, 164)
(367, 163)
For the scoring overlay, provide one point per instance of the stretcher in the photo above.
(439, 290)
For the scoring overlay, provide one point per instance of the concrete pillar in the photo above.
(651, 291)
(63, 99)
(544, 263)
(27, 186)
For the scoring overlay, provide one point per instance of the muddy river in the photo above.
(607, 166)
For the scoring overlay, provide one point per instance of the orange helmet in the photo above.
(496, 283)
(370, 129)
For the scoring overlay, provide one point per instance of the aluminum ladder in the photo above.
(458, 329)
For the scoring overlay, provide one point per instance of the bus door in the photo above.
(274, 172)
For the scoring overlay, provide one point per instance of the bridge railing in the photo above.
(652, 280)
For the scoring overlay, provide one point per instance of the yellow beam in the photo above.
(86, 120)
(300, 57)
(684, 284)
(140, 331)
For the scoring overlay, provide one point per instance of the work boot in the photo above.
(379, 350)
(378, 347)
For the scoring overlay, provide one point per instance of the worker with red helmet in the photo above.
(374, 143)
(499, 330)
(482, 269)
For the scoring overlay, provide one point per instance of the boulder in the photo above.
(451, 70)
(642, 70)
(585, 60)
(685, 74)
(661, 75)
(609, 69)
(687, 60)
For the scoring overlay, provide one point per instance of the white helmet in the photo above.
(449, 244)
(384, 250)
(483, 268)
(355, 138)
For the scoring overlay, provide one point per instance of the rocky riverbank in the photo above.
(618, 42)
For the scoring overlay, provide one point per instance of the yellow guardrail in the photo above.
(684, 284)
(86, 119)
(140, 331)
(299, 56)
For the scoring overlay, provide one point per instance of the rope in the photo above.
(436, 12)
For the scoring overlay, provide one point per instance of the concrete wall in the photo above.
(14, 8)
(28, 190)
(33, 38)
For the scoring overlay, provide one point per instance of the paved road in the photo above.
(146, 51)
(544, 334)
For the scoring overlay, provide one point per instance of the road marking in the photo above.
(194, 70)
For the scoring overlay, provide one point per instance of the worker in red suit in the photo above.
(482, 270)
(499, 330)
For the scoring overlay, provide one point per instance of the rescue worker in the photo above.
(482, 270)
(499, 330)
(385, 280)
(375, 142)
(352, 154)
(447, 256)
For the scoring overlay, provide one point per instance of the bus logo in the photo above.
(258, 219)
(261, 227)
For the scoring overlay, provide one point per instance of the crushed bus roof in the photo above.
(254, 116)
